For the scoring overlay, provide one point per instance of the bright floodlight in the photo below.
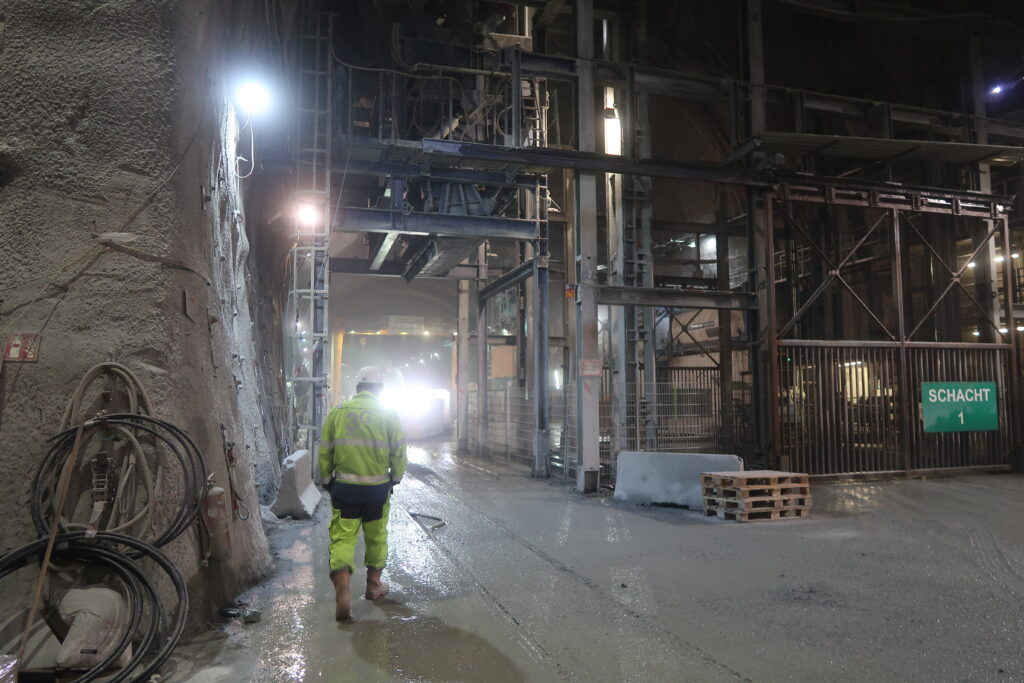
(996, 90)
(252, 97)
(307, 214)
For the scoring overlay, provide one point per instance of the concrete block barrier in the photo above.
(674, 478)
(297, 496)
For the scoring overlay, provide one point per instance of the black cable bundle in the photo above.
(148, 616)
(183, 452)
(147, 483)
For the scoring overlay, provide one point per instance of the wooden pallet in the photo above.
(765, 492)
(758, 515)
(756, 495)
(754, 479)
(749, 504)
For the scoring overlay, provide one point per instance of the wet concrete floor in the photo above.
(529, 581)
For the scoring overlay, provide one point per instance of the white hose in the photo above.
(136, 462)
(137, 396)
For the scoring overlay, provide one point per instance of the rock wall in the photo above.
(115, 117)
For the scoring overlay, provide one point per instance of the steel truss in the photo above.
(841, 440)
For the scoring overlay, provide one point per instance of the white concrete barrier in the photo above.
(297, 496)
(647, 477)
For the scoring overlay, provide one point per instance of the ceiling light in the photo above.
(999, 259)
(972, 264)
(996, 90)
(1014, 255)
(307, 214)
(1020, 328)
(1003, 330)
(253, 98)
(976, 333)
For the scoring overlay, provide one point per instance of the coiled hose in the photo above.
(153, 451)
(138, 399)
(148, 615)
(183, 453)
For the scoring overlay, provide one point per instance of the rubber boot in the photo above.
(375, 588)
(342, 594)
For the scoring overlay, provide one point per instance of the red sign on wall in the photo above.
(22, 348)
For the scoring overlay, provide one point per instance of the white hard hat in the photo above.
(370, 375)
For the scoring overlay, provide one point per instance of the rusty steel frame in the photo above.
(986, 207)
(956, 280)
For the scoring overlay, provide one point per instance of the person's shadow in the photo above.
(418, 647)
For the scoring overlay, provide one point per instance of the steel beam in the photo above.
(382, 250)
(512, 277)
(823, 190)
(359, 219)
(611, 295)
(407, 169)
(357, 266)
(592, 161)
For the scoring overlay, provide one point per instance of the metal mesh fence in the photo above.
(511, 425)
(563, 432)
(683, 413)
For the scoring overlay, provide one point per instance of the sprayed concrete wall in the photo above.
(114, 117)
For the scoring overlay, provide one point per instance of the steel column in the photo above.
(542, 440)
(462, 368)
(774, 396)
(725, 369)
(1013, 373)
(906, 392)
(588, 387)
(985, 273)
(481, 356)
(760, 209)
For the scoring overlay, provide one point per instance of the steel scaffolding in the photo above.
(307, 329)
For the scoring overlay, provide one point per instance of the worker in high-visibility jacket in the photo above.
(362, 456)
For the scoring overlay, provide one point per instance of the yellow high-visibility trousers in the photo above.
(344, 534)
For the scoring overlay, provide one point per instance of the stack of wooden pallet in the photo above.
(756, 495)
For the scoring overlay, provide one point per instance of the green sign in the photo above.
(959, 406)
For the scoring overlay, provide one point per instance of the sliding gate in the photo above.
(845, 409)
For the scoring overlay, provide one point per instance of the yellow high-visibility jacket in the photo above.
(362, 443)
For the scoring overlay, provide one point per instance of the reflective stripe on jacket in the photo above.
(362, 443)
